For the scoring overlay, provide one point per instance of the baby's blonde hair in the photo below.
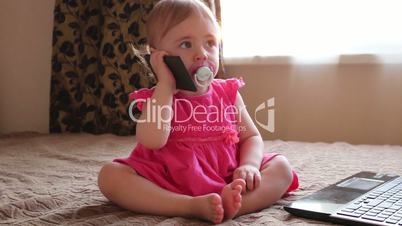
(168, 13)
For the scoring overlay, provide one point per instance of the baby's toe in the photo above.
(218, 217)
(237, 198)
(216, 200)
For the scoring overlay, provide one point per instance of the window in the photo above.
(311, 30)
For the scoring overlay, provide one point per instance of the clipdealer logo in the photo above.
(213, 113)
(269, 105)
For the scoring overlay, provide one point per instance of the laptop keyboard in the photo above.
(382, 205)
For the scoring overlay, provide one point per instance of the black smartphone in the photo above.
(179, 71)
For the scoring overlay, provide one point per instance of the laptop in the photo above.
(366, 198)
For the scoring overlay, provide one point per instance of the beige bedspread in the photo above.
(51, 179)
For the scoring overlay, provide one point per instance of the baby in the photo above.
(198, 153)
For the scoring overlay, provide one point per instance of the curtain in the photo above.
(93, 66)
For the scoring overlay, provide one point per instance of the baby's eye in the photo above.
(185, 45)
(211, 43)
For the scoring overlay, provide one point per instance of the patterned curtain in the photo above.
(93, 66)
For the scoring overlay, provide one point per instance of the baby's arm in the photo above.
(153, 128)
(251, 148)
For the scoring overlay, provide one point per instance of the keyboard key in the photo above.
(390, 221)
(371, 214)
(364, 209)
(374, 202)
(377, 209)
(383, 215)
(389, 211)
(395, 218)
(360, 212)
(374, 218)
(395, 207)
(385, 204)
(347, 210)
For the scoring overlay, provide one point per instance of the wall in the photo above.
(25, 53)
(352, 102)
(356, 103)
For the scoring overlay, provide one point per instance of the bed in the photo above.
(52, 179)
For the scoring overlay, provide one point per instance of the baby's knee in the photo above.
(107, 177)
(104, 178)
(282, 168)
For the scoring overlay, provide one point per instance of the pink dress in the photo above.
(202, 150)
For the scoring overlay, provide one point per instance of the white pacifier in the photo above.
(203, 74)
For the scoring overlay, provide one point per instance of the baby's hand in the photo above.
(250, 174)
(161, 70)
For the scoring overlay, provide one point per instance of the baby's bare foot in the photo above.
(209, 207)
(231, 197)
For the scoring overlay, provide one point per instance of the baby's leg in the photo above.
(123, 186)
(276, 177)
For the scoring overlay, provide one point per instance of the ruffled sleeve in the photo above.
(235, 83)
(232, 86)
(141, 96)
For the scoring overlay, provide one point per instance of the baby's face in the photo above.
(195, 40)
